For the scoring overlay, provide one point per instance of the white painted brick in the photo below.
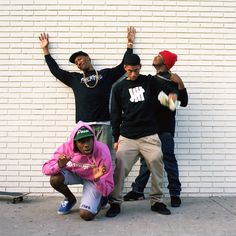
(200, 32)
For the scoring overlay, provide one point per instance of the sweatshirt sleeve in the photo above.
(117, 72)
(116, 113)
(63, 75)
(183, 97)
(106, 183)
(51, 167)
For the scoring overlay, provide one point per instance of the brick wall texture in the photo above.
(37, 111)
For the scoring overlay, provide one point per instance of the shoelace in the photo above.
(64, 203)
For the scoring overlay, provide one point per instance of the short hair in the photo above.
(132, 60)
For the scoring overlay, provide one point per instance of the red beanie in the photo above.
(169, 58)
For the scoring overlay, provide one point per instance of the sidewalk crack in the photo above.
(227, 208)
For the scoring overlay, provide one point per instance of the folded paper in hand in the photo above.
(168, 102)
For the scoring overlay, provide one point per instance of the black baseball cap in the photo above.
(76, 54)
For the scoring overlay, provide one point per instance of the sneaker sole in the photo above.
(132, 199)
(175, 205)
(63, 213)
(112, 215)
(163, 212)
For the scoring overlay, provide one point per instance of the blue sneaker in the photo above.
(65, 207)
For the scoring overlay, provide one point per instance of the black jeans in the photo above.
(170, 164)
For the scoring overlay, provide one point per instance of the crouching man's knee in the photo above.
(86, 215)
(56, 180)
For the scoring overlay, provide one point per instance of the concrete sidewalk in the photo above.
(36, 216)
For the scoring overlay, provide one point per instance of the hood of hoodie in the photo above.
(78, 126)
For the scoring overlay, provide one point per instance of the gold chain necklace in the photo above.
(85, 80)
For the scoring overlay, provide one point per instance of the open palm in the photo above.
(99, 171)
(131, 31)
(43, 38)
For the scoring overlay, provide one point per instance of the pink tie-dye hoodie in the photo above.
(82, 164)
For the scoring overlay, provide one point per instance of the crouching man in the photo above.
(81, 160)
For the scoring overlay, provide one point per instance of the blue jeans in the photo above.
(170, 164)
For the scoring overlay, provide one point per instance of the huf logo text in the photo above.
(136, 94)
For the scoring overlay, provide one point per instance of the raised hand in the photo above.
(131, 31)
(43, 38)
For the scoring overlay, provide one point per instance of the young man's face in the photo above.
(83, 62)
(159, 65)
(85, 145)
(132, 71)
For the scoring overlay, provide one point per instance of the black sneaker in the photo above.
(133, 196)
(160, 208)
(114, 210)
(103, 202)
(175, 201)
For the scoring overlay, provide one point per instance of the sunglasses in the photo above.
(161, 63)
(158, 65)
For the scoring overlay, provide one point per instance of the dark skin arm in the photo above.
(176, 79)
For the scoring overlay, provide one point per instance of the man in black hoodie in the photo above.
(134, 131)
(91, 87)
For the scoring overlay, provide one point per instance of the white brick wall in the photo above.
(37, 111)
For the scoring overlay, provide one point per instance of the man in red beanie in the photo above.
(163, 62)
(168, 58)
